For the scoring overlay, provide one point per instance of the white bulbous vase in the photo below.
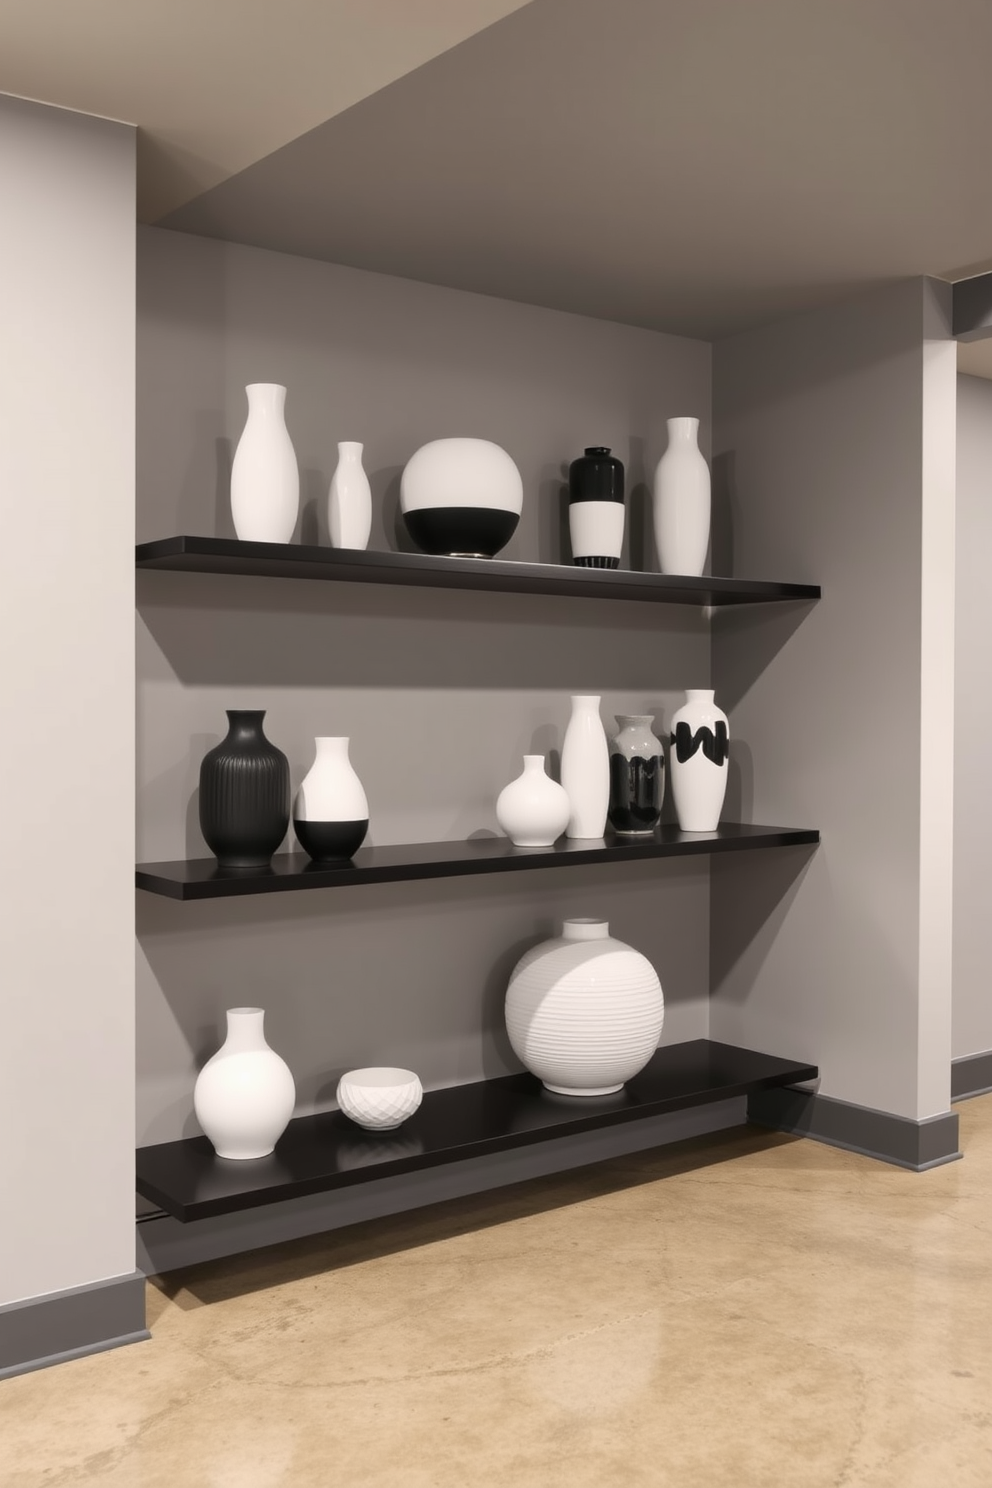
(584, 1012)
(331, 810)
(349, 500)
(265, 478)
(533, 810)
(682, 501)
(585, 769)
(245, 1094)
(700, 749)
(461, 497)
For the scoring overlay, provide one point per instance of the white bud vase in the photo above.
(584, 1012)
(265, 478)
(700, 745)
(533, 810)
(682, 501)
(244, 1096)
(349, 501)
(331, 812)
(585, 769)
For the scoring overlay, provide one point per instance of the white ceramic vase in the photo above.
(533, 810)
(461, 497)
(244, 1094)
(682, 501)
(265, 478)
(331, 810)
(700, 745)
(585, 769)
(584, 1012)
(349, 501)
(379, 1098)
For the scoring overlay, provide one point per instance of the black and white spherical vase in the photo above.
(461, 498)
(331, 812)
(244, 794)
(595, 508)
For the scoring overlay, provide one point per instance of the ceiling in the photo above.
(689, 165)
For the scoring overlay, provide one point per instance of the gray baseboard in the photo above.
(893, 1139)
(67, 1325)
(164, 1244)
(971, 1075)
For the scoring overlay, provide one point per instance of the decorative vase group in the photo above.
(595, 508)
(244, 1095)
(461, 498)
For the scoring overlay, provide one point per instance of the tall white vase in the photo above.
(331, 812)
(585, 769)
(244, 1095)
(349, 501)
(700, 747)
(682, 501)
(265, 478)
(533, 810)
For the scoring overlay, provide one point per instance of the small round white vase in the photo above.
(461, 497)
(585, 769)
(244, 1095)
(265, 478)
(349, 500)
(379, 1098)
(584, 1012)
(700, 745)
(533, 810)
(682, 501)
(331, 811)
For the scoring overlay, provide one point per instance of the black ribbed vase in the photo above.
(244, 794)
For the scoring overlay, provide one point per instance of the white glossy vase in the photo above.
(349, 501)
(265, 478)
(331, 811)
(585, 769)
(682, 501)
(700, 747)
(584, 1012)
(461, 497)
(533, 810)
(244, 1095)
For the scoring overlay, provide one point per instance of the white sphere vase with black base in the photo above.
(331, 811)
(461, 498)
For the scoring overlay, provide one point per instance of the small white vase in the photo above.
(379, 1098)
(533, 810)
(585, 769)
(349, 501)
(244, 1095)
(265, 478)
(682, 501)
(331, 811)
(699, 752)
(584, 1012)
(461, 497)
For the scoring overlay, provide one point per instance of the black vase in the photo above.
(595, 508)
(244, 794)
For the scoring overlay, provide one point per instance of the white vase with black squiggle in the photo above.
(700, 745)
(331, 812)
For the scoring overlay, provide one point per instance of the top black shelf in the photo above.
(221, 555)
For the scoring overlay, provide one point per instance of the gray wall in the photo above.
(973, 723)
(441, 693)
(833, 446)
(66, 618)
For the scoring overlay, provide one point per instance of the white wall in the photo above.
(67, 668)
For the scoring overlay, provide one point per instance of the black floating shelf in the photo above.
(318, 1153)
(202, 878)
(222, 555)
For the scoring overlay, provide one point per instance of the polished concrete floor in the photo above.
(754, 1312)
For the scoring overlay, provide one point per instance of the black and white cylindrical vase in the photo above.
(700, 752)
(461, 498)
(595, 508)
(331, 813)
(244, 794)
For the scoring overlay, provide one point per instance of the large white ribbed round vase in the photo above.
(265, 478)
(244, 1095)
(682, 501)
(584, 1012)
(700, 749)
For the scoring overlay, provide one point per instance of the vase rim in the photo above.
(623, 719)
(598, 449)
(237, 713)
(531, 761)
(587, 697)
(685, 419)
(706, 694)
(346, 446)
(246, 1012)
(380, 1075)
(585, 929)
(275, 387)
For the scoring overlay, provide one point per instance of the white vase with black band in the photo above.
(595, 508)
(331, 812)
(461, 498)
(700, 749)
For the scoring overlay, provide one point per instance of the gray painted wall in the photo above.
(441, 692)
(972, 723)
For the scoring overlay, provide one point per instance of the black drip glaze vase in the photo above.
(244, 794)
(595, 508)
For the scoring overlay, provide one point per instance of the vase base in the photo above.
(247, 863)
(596, 561)
(630, 832)
(243, 1156)
(598, 1090)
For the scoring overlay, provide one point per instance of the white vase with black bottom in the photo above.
(349, 500)
(244, 1096)
(331, 811)
(265, 478)
(533, 810)
(585, 769)
(682, 501)
(595, 509)
(461, 498)
(700, 749)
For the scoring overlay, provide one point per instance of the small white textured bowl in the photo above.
(379, 1098)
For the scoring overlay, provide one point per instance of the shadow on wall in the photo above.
(748, 907)
(746, 638)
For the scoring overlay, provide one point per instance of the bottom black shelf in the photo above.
(318, 1153)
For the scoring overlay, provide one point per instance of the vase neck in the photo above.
(533, 764)
(635, 720)
(699, 694)
(332, 748)
(683, 430)
(348, 449)
(266, 399)
(244, 725)
(586, 930)
(244, 1029)
(584, 703)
